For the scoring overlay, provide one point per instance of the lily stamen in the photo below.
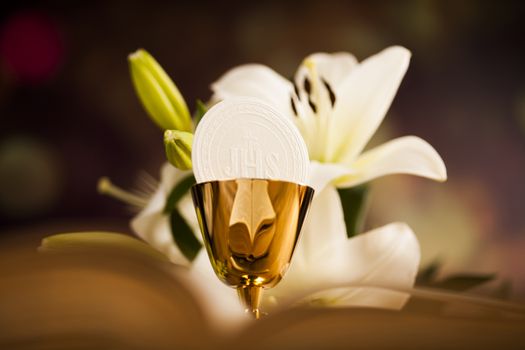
(307, 86)
(312, 106)
(293, 106)
(106, 187)
(311, 86)
(296, 90)
(331, 93)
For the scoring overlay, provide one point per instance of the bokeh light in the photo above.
(31, 46)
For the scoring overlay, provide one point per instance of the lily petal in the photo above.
(321, 174)
(363, 100)
(333, 68)
(258, 81)
(384, 257)
(404, 155)
(153, 226)
(319, 257)
(390, 255)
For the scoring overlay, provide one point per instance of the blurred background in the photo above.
(69, 114)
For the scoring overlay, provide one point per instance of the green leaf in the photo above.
(178, 192)
(200, 110)
(158, 94)
(463, 282)
(85, 242)
(177, 145)
(188, 244)
(182, 234)
(459, 282)
(428, 274)
(353, 202)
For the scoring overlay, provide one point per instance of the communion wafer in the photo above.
(246, 138)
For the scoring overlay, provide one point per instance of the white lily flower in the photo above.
(387, 256)
(152, 224)
(338, 104)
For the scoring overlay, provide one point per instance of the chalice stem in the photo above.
(250, 297)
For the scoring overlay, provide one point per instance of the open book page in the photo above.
(93, 298)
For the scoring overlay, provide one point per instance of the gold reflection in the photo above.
(250, 228)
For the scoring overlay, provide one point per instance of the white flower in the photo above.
(153, 225)
(337, 104)
(387, 256)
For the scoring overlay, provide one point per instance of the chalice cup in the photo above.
(250, 228)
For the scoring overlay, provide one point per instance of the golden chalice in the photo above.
(250, 228)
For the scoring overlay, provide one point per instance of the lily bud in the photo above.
(158, 94)
(178, 148)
